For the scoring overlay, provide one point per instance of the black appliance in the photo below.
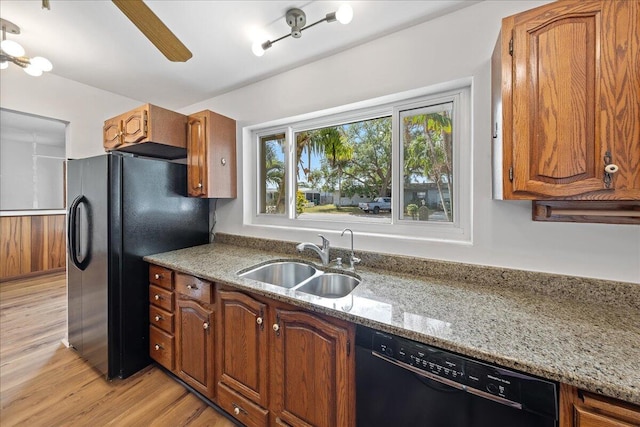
(122, 208)
(403, 383)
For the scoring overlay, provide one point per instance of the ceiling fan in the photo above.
(152, 27)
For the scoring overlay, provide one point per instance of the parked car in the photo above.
(376, 205)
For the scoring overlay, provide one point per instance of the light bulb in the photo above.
(4, 65)
(33, 70)
(257, 49)
(344, 15)
(12, 48)
(43, 63)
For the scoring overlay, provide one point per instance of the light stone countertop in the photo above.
(587, 343)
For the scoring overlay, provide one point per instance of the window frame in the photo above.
(457, 231)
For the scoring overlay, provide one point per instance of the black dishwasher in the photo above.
(403, 383)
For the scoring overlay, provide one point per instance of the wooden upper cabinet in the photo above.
(569, 90)
(149, 131)
(242, 350)
(211, 155)
(313, 378)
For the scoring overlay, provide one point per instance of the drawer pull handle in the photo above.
(237, 409)
(192, 287)
(157, 297)
(158, 347)
(205, 325)
(158, 276)
(158, 318)
(611, 168)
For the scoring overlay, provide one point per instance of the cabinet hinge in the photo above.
(511, 46)
(348, 347)
(511, 174)
(146, 119)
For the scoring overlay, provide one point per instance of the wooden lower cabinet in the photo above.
(313, 372)
(277, 360)
(195, 360)
(583, 409)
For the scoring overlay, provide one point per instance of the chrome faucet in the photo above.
(323, 253)
(353, 260)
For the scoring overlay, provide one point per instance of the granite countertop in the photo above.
(583, 342)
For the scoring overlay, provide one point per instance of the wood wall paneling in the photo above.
(31, 245)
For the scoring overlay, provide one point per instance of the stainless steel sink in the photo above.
(330, 285)
(287, 274)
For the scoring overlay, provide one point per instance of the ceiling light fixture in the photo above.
(297, 20)
(11, 51)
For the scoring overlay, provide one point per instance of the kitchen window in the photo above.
(401, 169)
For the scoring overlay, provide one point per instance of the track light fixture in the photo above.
(11, 51)
(297, 20)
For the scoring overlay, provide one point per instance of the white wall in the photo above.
(84, 107)
(454, 46)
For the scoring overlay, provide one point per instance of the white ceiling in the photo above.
(92, 42)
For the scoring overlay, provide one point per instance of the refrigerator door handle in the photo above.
(73, 232)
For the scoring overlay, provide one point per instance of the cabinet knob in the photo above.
(199, 185)
(223, 161)
(192, 287)
(276, 327)
(259, 320)
(205, 325)
(157, 347)
(611, 168)
(236, 410)
(158, 318)
(157, 276)
(157, 297)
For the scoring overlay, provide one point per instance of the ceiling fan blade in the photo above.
(154, 29)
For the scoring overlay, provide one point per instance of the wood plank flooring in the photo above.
(43, 383)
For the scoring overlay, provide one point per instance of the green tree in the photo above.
(428, 148)
(274, 172)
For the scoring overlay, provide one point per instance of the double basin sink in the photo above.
(302, 277)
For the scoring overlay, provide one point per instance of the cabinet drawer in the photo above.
(161, 347)
(195, 288)
(161, 318)
(161, 297)
(245, 411)
(161, 276)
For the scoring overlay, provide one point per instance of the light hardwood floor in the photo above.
(43, 383)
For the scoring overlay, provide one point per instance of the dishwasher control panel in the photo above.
(496, 383)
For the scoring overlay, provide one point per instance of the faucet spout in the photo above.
(322, 253)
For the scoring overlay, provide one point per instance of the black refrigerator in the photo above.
(122, 208)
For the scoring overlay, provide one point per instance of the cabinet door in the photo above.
(194, 346)
(313, 371)
(197, 155)
(242, 347)
(559, 130)
(111, 134)
(135, 126)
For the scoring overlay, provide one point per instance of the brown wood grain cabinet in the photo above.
(211, 155)
(161, 316)
(195, 326)
(147, 130)
(583, 409)
(313, 374)
(31, 245)
(566, 102)
(281, 361)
